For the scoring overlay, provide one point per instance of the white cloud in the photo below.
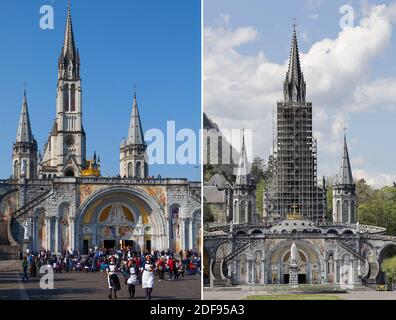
(374, 179)
(241, 90)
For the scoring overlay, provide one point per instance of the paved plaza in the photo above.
(90, 286)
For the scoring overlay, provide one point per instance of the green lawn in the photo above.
(294, 297)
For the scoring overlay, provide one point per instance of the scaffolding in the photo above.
(293, 177)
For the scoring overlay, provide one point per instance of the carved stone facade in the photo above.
(338, 254)
(81, 213)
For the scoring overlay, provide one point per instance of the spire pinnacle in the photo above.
(242, 177)
(69, 61)
(24, 133)
(135, 132)
(345, 174)
(294, 85)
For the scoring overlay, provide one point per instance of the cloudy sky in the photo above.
(350, 73)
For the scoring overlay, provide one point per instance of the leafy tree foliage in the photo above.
(388, 266)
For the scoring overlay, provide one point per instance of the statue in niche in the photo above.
(175, 224)
(330, 264)
(258, 266)
(26, 230)
(23, 168)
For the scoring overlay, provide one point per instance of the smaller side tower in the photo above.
(133, 157)
(24, 155)
(344, 192)
(244, 189)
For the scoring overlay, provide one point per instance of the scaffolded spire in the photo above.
(24, 133)
(242, 177)
(294, 85)
(135, 132)
(345, 174)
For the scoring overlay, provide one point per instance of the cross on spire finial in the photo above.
(294, 23)
(134, 90)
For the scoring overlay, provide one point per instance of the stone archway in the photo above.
(387, 252)
(311, 263)
(133, 214)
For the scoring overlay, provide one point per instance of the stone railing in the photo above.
(380, 237)
(371, 229)
(31, 204)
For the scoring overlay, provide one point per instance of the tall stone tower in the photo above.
(65, 150)
(293, 178)
(24, 156)
(244, 198)
(133, 157)
(344, 191)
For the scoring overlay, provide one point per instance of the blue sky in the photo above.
(153, 44)
(350, 75)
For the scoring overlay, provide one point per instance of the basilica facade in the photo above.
(245, 249)
(59, 201)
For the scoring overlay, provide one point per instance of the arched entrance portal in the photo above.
(121, 218)
(310, 264)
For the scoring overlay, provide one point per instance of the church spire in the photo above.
(345, 174)
(242, 177)
(24, 133)
(135, 132)
(69, 60)
(294, 85)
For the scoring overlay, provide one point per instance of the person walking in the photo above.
(112, 279)
(148, 277)
(161, 268)
(133, 279)
(171, 264)
(25, 269)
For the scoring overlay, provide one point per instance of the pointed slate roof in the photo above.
(135, 132)
(24, 133)
(345, 174)
(69, 48)
(294, 85)
(242, 177)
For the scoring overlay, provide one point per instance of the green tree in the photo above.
(388, 266)
(363, 191)
(258, 169)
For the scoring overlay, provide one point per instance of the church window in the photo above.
(66, 97)
(73, 97)
(69, 173)
(138, 168)
(338, 208)
(242, 212)
(345, 211)
(353, 218)
(130, 174)
(250, 212)
(16, 169)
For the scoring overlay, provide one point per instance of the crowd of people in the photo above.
(135, 268)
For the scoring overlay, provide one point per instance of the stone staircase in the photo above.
(32, 204)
